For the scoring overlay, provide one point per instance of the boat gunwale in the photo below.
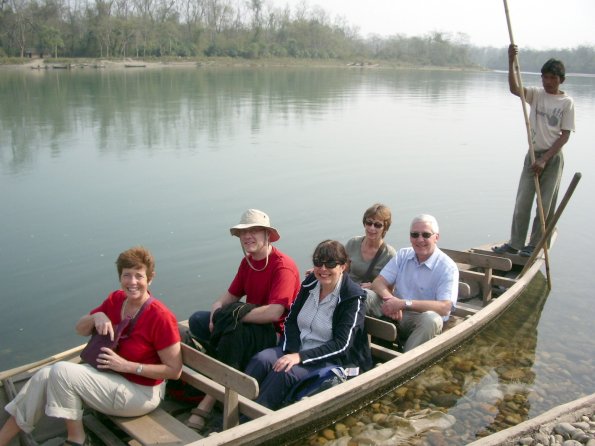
(325, 404)
(355, 392)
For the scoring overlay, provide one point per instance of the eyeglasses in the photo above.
(330, 264)
(425, 235)
(374, 223)
(250, 231)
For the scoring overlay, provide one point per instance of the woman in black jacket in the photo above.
(325, 326)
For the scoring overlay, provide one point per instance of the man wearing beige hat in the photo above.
(269, 279)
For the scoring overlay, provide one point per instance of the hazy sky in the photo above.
(539, 24)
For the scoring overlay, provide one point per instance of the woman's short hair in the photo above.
(555, 67)
(429, 219)
(136, 257)
(330, 250)
(379, 211)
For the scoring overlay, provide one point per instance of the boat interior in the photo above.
(483, 277)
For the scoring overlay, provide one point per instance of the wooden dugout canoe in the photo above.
(494, 282)
(306, 416)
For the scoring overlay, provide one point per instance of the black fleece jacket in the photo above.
(349, 345)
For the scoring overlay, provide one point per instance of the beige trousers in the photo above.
(60, 390)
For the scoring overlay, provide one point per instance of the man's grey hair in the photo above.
(426, 218)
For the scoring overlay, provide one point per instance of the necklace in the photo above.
(266, 263)
(124, 310)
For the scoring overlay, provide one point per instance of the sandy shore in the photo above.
(182, 63)
(103, 64)
(216, 62)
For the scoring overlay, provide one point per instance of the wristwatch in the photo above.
(408, 304)
(139, 369)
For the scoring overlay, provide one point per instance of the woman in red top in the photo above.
(146, 355)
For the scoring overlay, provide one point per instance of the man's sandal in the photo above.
(504, 249)
(527, 251)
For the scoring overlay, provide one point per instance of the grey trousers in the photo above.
(414, 329)
(373, 303)
(549, 183)
(61, 389)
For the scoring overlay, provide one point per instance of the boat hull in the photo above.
(313, 413)
(319, 410)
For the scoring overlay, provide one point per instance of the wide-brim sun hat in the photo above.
(255, 218)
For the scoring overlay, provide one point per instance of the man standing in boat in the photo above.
(269, 279)
(419, 285)
(552, 120)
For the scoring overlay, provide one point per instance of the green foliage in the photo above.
(197, 28)
(11, 60)
(577, 60)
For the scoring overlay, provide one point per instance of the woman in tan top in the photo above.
(369, 253)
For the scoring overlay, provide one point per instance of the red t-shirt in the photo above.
(156, 328)
(278, 283)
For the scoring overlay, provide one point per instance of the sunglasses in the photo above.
(425, 235)
(330, 264)
(375, 224)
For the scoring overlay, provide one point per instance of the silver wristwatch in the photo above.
(408, 304)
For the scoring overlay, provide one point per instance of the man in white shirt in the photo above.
(419, 286)
(552, 120)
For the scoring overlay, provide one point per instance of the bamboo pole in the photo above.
(547, 234)
(531, 149)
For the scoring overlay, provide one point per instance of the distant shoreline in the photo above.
(216, 62)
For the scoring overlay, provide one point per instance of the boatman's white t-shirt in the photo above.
(550, 114)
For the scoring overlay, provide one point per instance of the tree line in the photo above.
(250, 29)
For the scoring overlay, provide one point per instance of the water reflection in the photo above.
(185, 110)
(478, 390)
(73, 144)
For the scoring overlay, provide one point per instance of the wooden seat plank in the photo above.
(244, 384)
(384, 353)
(210, 387)
(487, 262)
(385, 330)
(481, 260)
(514, 258)
(465, 310)
(234, 381)
(98, 428)
(496, 280)
(157, 428)
(380, 329)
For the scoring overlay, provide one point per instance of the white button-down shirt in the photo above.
(435, 279)
(315, 319)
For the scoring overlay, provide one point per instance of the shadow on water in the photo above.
(481, 388)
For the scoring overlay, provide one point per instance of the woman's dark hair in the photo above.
(555, 67)
(378, 211)
(136, 257)
(330, 250)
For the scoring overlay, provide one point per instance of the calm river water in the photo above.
(93, 162)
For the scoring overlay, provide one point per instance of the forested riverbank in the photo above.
(247, 31)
